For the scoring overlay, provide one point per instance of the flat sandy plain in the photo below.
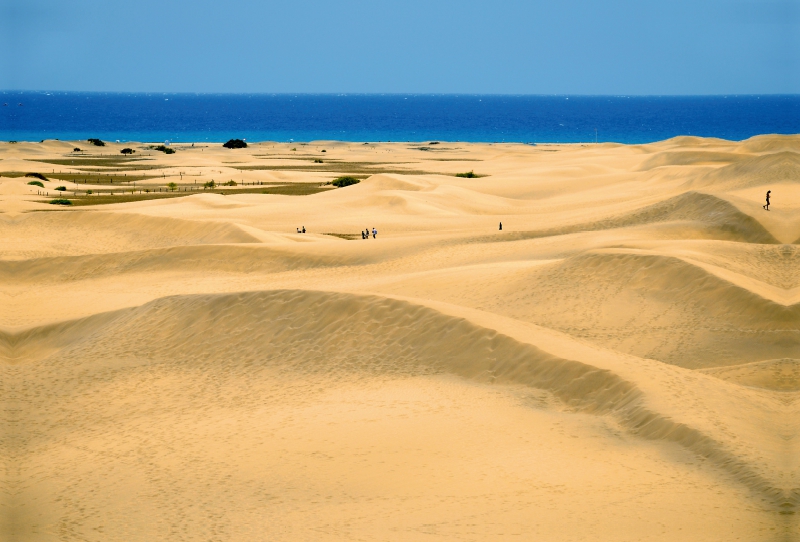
(621, 362)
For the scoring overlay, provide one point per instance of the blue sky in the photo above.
(409, 46)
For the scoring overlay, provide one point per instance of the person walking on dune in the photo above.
(374, 233)
(767, 205)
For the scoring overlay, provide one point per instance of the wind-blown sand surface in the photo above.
(621, 362)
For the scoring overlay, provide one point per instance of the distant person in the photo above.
(304, 229)
(501, 226)
(767, 205)
(362, 234)
(298, 230)
(374, 233)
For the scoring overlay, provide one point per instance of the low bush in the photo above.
(89, 192)
(210, 184)
(127, 150)
(36, 183)
(96, 142)
(61, 188)
(467, 175)
(164, 149)
(60, 201)
(318, 161)
(235, 144)
(76, 149)
(231, 183)
(344, 181)
(36, 176)
(323, 150)
(172, 186)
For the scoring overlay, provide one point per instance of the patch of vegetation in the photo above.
(36, 176)
(120, 161)
(341, 182)
(36, 183)
(164, 149)
(235, 144)
(76, 149)
(348, 168)
(294, 148)
(172, 186)
(60, 201)
(210, 184)
(96, 142)
(127, 150)
(101, 178)
(345, 236)
(433, 143)
(323, 150)
(469, 175)
(89, 192)
(103, 199)
(231, 183)
(60, 188)
(318, 161)
(292, 189)
(296, 189)
(13, 142)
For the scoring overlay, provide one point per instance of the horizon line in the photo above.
(405, 94)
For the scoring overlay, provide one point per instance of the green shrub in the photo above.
(172, 186)
(344, 181)
(127, 150)
(235, 144)
(210, 184)
(323, 150)
(76, 149)
(61, 188)
(318, 161)
(468, 175)
(60, 201)
(36, 183)
(96, 142)
(36, 176)
(164, 149)
(294, 148)
(89, 192)
(231, 183)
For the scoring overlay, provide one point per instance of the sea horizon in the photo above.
(354, 117)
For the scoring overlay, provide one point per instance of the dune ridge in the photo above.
(404, 339)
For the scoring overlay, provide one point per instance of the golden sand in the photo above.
(621, 362)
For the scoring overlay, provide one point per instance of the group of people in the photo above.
(364, 234)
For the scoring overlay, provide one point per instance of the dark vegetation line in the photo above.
(295, 189)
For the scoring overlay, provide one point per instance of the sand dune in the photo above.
(620, 362)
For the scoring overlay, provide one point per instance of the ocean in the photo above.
(34, 116)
